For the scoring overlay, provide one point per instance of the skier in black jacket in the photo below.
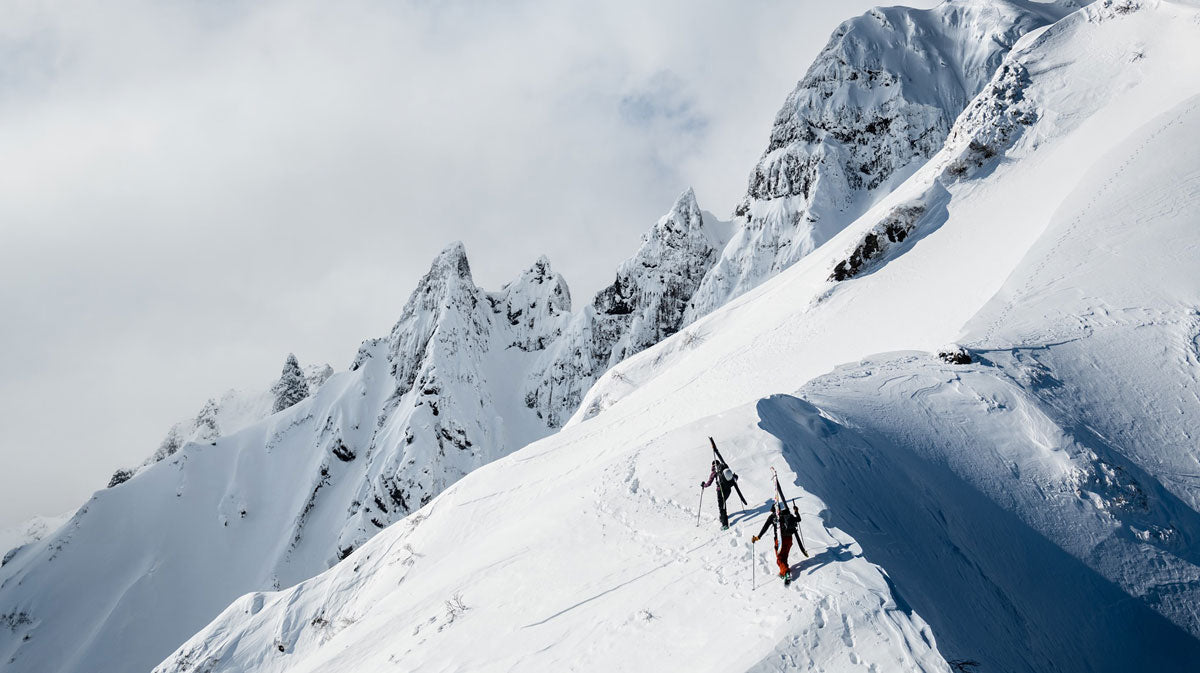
(725, 479)
(788, 524)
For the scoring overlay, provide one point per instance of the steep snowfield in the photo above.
(1037, 507)
(582, 552)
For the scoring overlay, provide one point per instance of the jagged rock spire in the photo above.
(291, 387)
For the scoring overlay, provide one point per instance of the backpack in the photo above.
(787, 522)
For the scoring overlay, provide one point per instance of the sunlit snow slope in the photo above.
(1032, 511)
(582, 552)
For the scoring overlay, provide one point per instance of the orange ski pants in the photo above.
(781, 555)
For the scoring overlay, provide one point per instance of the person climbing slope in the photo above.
(788, 522)
(726, 481)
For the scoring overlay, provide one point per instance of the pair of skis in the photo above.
(781, 503)
(721, 466)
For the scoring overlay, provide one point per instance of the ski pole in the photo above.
(699, 506)
(799, 533)
(752, 560)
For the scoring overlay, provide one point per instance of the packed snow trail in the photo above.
(581, 552)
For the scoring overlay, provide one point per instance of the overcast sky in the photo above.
(191, 189)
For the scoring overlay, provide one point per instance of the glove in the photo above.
(754, 538)
(701, 484)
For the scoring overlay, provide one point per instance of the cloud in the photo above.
(190, 190)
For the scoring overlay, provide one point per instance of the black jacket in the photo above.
(786, 520)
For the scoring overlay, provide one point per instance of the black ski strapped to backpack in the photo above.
(722, 465)
(781, 503)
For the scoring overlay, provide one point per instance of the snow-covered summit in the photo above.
(876, 104)
(644, 304)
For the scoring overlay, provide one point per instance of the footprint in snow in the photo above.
(848, 631)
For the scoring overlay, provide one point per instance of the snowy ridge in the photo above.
(286, 497)
(644, 305)
(17, 536)
(234, 410)
(878, 102)
(296, 491)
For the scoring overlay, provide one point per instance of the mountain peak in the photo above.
(452, 262)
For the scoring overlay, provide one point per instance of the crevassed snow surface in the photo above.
(1034, 511)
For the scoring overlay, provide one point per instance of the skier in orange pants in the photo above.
(788, 523)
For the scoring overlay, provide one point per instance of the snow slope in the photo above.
(1037, 507)
(580, 552)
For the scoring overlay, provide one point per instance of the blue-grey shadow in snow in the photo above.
(993, 589)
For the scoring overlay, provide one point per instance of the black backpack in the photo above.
(787, 522)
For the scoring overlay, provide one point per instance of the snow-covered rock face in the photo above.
(536, 305)
(878, 102)
(644, 305)
(464, 377)
(217, 514)
(27, 532)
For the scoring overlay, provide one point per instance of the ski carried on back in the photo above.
(782, 504)
(723, 464)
